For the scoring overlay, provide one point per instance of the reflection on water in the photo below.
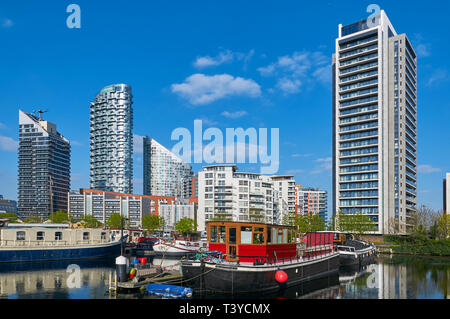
(398, 277)
(52, 280)
(389, 278)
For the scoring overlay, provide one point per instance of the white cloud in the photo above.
(438, 75)
(226, 56)
(207, 121)
(427, 169)
(201, 89)
(76, 143)
(207, 61)
(289, 86)
(2, 126)
(422, 50)
(8, 144)
(234, 115)
(6, 23)
(325, 165)
(296, 69)
(301, 155)
(294, 171)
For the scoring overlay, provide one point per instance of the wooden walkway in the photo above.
(173, 277)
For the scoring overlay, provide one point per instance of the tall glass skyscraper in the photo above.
(44, 167)
(164, 172)
(375, 124)
(111, 163)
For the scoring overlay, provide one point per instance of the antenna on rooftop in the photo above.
(40, 113)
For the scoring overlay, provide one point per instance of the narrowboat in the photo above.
(47, 242)
(353, 252)
(249, 257)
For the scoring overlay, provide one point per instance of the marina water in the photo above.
(395, 277)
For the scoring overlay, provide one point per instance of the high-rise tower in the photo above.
(44, 167)
(375, 124)
(111, 149)
(164, 172)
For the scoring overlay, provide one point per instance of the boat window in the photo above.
(258, 238)
(103, 236)
(274, 235)
(232, 235)
(20, 235)
(289, 236)
(40, 235)
(58, 235)
(213, 234)
(285, 236)
(280, 236)
(246, 235)
(221, 234)
(86, 236)
(269, 235)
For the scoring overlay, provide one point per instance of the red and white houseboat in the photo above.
(248, 257)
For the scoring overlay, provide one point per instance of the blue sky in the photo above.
(266, 62)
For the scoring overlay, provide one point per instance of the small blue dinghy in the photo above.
(168, 291)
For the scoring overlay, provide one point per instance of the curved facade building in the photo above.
(111, 142)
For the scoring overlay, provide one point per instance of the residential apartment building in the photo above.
(446, 193)
(44, 167)
(7, 206)
(174, 212)
(164, 172)
(285, 185)
(375, 124)
(311, 201)
(189, 186)
(102, 204)
(224, 192)
(111, 140)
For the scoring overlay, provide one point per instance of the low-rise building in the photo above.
(175, 211)
(239, 196)
(102, 204)
(311, 201)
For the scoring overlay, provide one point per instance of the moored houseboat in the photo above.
(47, 242)
(179, 247)
(247, 257)
(353, 252)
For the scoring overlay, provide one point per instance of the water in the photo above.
(399, 277)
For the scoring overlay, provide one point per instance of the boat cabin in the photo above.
(252, 242)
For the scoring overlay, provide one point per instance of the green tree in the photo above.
(289, 219)
(114, 221)
(309, 223)
(152, 222)
(32, 220)
(357, 224)
(61, 217)
(443, 226)
(90, 221)
(12, 218)
(186, 225)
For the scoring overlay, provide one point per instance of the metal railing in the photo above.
(44, 243)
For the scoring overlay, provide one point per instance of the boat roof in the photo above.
(247, 223)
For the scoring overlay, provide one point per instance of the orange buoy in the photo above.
(281, 276)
